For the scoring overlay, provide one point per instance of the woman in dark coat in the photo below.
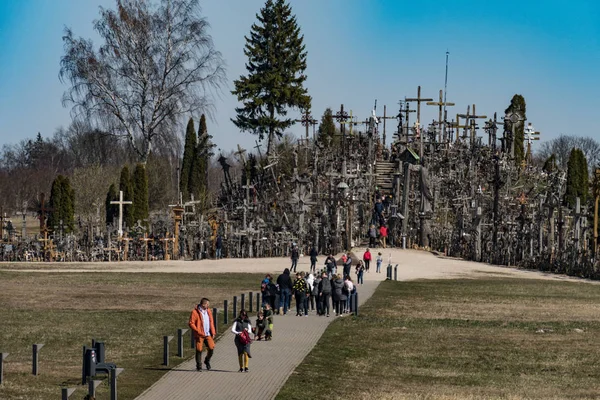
(339, 298)
(242, 323)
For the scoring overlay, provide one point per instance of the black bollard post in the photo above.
(356, 304)
(92, 386)
(114, 372)
(2, 358)
(396, 272)
(166, 340)
(258, 304)
(66, 393)
(225, 313)
(180, 333)
(216, 319)
(243, 302)
(234, 307)
(36, 351)
(251, 301)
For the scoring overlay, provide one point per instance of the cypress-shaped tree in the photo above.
(517, 104)
(577, 178)
(112, 210)
(140, 194)
(62, 202)
(275, 80)
(189, 150)
(550, 164)
(204, 151)
(126, 186)
(327, 130)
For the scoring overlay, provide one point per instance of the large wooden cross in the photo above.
(469, 122)
(530, 135)
(341, 117)
(441, 105)
(419, 100)
(121, 203)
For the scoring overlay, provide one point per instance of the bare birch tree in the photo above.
(156, 64)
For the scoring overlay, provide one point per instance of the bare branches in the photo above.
(155, 65)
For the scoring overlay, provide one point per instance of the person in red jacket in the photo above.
(383, 232)
(367, 259)
(203, 328)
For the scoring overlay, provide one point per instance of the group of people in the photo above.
(323, 292)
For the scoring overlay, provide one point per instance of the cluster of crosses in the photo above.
(452, 185)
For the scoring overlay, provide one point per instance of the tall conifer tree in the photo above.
(140, 194)
(204, 151)
(275, 80)
(577, 178)
(128, 195)
(189, 150)
(327, 129)
(112, 210)
(62, 201)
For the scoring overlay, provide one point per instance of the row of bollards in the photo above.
(35, 361)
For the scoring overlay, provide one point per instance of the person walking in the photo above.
(219, 247)
(310, 285)
(367, 259)
(379, 261)
(347, 265)
(325, 293)
(383, 232)
(372, 235)
(348, 290)
(294, 256)
(359, 273)
(313, 260)
(330, 266)
(241, 329)
(314, 295)
(284, 282)
(300, 291)
(203, 327)
(265, 290)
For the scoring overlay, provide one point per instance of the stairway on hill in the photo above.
(385, 175)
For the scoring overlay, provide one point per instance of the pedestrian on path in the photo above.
(359, 273)
(314, 294)
(300, 290)
(325, 293)
(313, 259)
(310, 299)
(379, 261)
(339, 299)
(268, 311)
(330, 265)
(241, 329)
(383, 232)
(284, 283)
(348, 290)
(347, 265)
(367, 259)
(295, 255)
(265, 290)
(203, 327)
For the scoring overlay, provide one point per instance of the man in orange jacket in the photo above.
(203, 328)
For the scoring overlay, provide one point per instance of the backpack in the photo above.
(244, 337)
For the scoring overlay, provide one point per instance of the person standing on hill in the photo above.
(203, 327)
(219, 247)
(347, 265)
(383, 232)
(300, 290)
(330, 265)
(339, 298)
(313, 260)
(367, 259)
(295, 254)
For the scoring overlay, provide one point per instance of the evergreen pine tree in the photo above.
(550, 164)
(56, 203)
(327, 130)
(584, 177)
(68, 216)
(275, 81)
(188, 157)
(112, 210)
(140, 194)
(517, 104)
(126, 186)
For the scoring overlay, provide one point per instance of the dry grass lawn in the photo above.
(493, 338)
(130, 312)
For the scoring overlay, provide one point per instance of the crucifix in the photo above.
(240, 154)
(530, 136)
(146, 239)
(177, 218)
(402, 128)
(307, 120)
(341, 117)
(166, 241)
(419, 100)
(470, 123)
(441, 106)
(512, 120)
(126, 240)
(121, 203)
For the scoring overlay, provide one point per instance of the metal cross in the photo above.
(441, 104)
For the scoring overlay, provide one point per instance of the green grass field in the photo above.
(497, 338)
(130, 312)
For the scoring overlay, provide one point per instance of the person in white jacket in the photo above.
(241, 329)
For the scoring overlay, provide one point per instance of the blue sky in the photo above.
(358, 51)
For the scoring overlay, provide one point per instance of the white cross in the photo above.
(121, 203)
